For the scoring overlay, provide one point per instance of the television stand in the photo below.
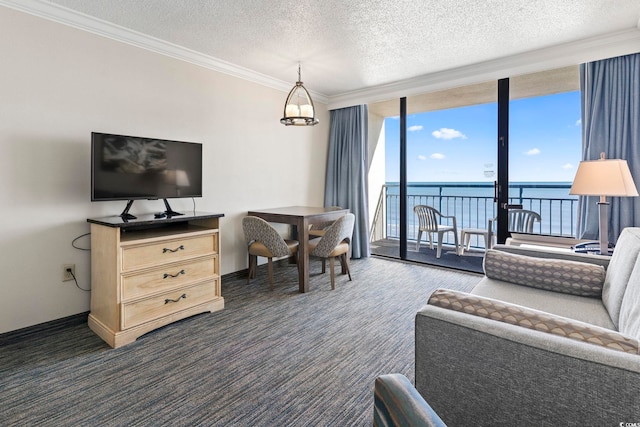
(125, 215)
(170, 212)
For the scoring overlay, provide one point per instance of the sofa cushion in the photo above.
(619, 271)
(571, 277)
(532, 319)
(630, 307)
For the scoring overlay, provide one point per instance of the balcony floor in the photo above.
(470, 261)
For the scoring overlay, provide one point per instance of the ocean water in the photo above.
(472, 204)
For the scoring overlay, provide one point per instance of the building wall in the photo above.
(58, 84)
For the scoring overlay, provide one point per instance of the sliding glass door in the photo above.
(451, 152)
(451, 167)
(544, 150)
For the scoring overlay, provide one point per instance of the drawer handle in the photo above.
(179, 248)
(167, 301)
(166, 275)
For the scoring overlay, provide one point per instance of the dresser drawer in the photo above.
(141, 311)
(167, 277)
(139, 255)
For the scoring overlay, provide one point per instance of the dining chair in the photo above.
(429, 222)
(265, 241)
(335, 243)
(318, 230)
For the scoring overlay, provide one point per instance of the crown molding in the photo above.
(81, 21)
(592, 49)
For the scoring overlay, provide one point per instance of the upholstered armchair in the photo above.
(265, 241)
(335, 244)
(397, 403)
(318, 230)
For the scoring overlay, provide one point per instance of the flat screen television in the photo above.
(133, 168)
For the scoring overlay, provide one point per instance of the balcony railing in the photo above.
(473, 206)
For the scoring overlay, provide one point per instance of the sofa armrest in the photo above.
(502, 374)
(398, 403)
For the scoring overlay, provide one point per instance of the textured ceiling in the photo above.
(350, 45)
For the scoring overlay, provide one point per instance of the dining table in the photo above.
(301, 217)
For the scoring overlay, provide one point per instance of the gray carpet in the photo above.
(276, 358)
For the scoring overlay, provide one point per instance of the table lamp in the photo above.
(603, 177)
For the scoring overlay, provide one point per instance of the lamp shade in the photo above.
(604, 177)
(298, 108)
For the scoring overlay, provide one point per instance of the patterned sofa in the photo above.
(545, 339)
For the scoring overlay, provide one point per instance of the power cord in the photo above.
(73, 242)
(70, 271)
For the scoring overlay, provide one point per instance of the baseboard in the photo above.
(76, 319)
(235, 275)
(47, 327)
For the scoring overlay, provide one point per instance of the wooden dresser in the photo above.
(148, 272)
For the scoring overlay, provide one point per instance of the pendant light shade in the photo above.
(299, 109)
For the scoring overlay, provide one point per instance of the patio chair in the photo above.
(265, 241)
(520, 221)
(523, 220)
(429, 222)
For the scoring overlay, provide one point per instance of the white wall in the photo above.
(377, 162)
(58, 84)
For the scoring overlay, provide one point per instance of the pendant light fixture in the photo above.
(299, 109)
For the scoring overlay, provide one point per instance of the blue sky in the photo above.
(459, 144)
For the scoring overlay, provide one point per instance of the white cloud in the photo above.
(414, 128)
(421, 157)
(578, 122)
(446, 133)
(567, 166)
(437, 156)
(532, 152)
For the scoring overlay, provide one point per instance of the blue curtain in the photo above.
(611, 124)
(347, 166)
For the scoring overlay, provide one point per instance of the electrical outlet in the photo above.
(66, 275)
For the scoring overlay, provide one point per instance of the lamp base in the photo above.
(591, 248)
(604, 227)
